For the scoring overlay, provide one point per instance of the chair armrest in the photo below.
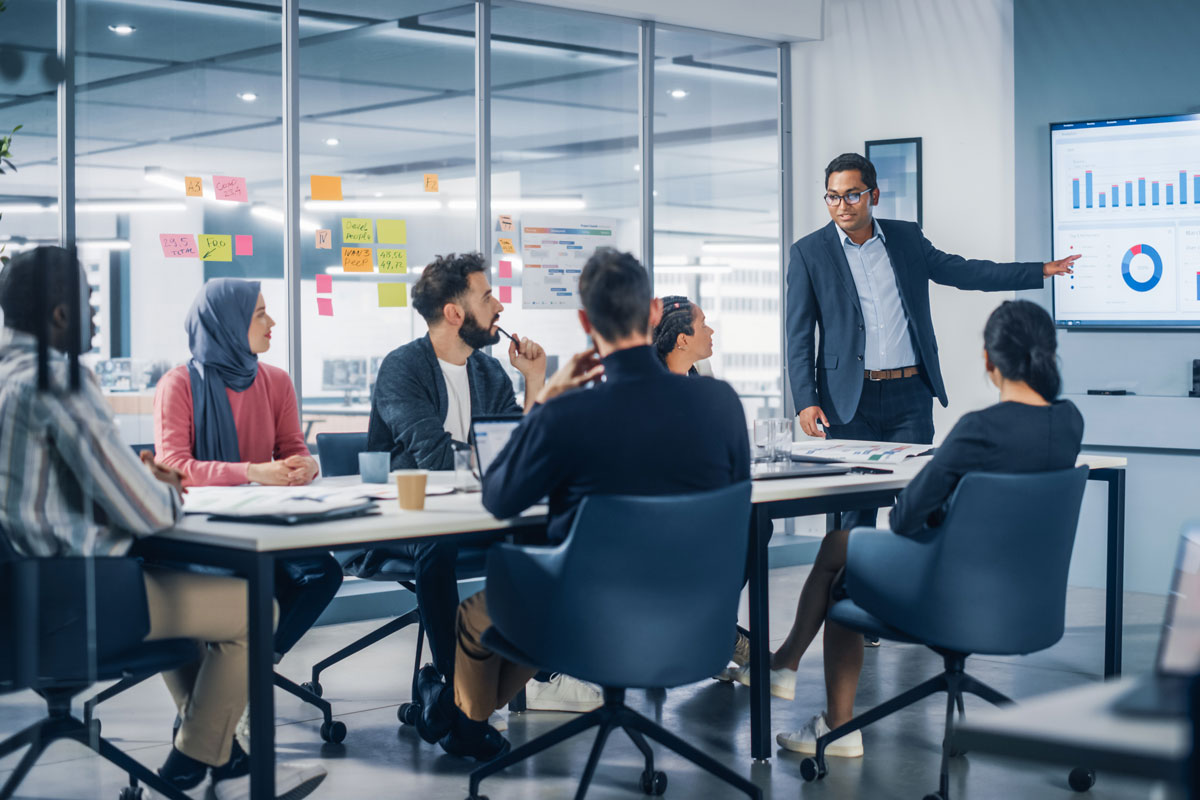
(888, 575)
(521, 584)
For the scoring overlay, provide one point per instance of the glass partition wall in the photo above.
(584, 129)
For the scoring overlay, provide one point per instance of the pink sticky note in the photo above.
(505, 294)
(179, 245)
(324, 284)
(505, 269)
(325, 306)
(227, 187)
(243, 245)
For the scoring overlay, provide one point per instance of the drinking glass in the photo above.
(781, 439)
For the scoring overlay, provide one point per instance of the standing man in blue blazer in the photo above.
(863, 285)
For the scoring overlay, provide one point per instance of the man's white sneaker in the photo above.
(805, 740)
(562, 693)
(497, 721)
(783, 681)
(292, 782)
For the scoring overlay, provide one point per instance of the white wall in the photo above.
(941, 70)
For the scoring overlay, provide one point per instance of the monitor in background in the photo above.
(1125, 195)
(489, 435)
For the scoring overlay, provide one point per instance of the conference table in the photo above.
(251, 549)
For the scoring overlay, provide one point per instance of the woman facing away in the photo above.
(1028, 430)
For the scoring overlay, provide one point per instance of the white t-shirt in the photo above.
(458, 393)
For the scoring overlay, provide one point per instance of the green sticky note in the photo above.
(393, 295)
(392, 260)
(216, 248)
(392, 231)
(358, 231)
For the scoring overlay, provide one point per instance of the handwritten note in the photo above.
(506, 223)
(324, 284)
(505, 269)
(357, 259)
(506, 294)
(179, 245)
(358, 231)
(325, 306)
(227, 187)
(392, 231)
(324, 239)
(216, 247)
(431, 182)
(506, 246)
(325, 187)
(393, 295)
(392, 260)
(193, 186)
(243, 245)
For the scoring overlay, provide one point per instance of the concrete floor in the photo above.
(381, 759)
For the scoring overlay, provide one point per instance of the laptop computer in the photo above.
(773, 470)
(489, 434)
(1165, 693)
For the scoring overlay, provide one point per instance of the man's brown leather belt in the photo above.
(890, 374)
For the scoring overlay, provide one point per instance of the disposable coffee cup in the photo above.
(410, 488)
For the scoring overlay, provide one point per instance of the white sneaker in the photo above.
(563, 693)
(292, 782)
(740, 658)
(805, 740)
(498, 722)
(241, 731)
(783, 681)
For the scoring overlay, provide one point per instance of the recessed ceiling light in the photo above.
(678, 94)
(247, 97)
(637, 167)
(121, 29)
(333, 141)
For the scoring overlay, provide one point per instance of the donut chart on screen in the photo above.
(1155, 258)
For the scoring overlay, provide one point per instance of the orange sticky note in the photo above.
(506, 246)
(325, 239)
(325, 306)
(505, 294)
(357, 259)
(325, 187)
(194, 186)
(431, 182)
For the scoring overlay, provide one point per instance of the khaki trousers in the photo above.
(483, 681)
(210, 693)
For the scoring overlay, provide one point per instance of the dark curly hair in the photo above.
(850, 161)
(443, 281)
(1021, 342)
(678, 316)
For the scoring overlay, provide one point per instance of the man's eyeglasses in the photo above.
(851, 198)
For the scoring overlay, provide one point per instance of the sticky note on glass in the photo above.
(216, 247)
(193, 186)
(357, 259)
(179, 245)
(393, 295)
(392, 231)
(325, 187)
(243, 245)
(506, 246)
(324, 284)
(392, 260)
(505, 294)
(505, 269)
(325, 306)
(324, 239)
(227, 187)
(359, 231)
(506, 223)
(431, 183)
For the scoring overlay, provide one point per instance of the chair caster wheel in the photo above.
(407, 713)
(810, 770)
(313, 687)
(132, 793)
(333, 731)
(1082, 779)
(654, 783)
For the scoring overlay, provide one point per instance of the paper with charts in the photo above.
(554, 250)
(858, 452)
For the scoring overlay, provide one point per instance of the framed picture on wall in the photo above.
(898, 168)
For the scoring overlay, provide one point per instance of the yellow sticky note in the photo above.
(215, 247)
(506, 246)
(194, 186)
(325, 187)
(358, 231)
(393, 295)
(392, 260)
(357, 259)
(392, 231)
(431, 182)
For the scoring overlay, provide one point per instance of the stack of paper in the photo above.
(858, 452)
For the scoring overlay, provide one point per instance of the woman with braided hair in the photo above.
(682, 337)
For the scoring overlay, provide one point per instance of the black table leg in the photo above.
(760, 689)
(1115, 582)
(261, 602)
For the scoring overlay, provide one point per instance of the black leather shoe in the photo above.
(477, 740)
(437, 706)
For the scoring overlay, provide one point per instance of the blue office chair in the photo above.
(339, 456)
(991, 579)
(46, 646)
(645, 595)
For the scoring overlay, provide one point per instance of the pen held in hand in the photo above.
(508, 335)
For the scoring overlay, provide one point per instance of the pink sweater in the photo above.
(266, 416)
